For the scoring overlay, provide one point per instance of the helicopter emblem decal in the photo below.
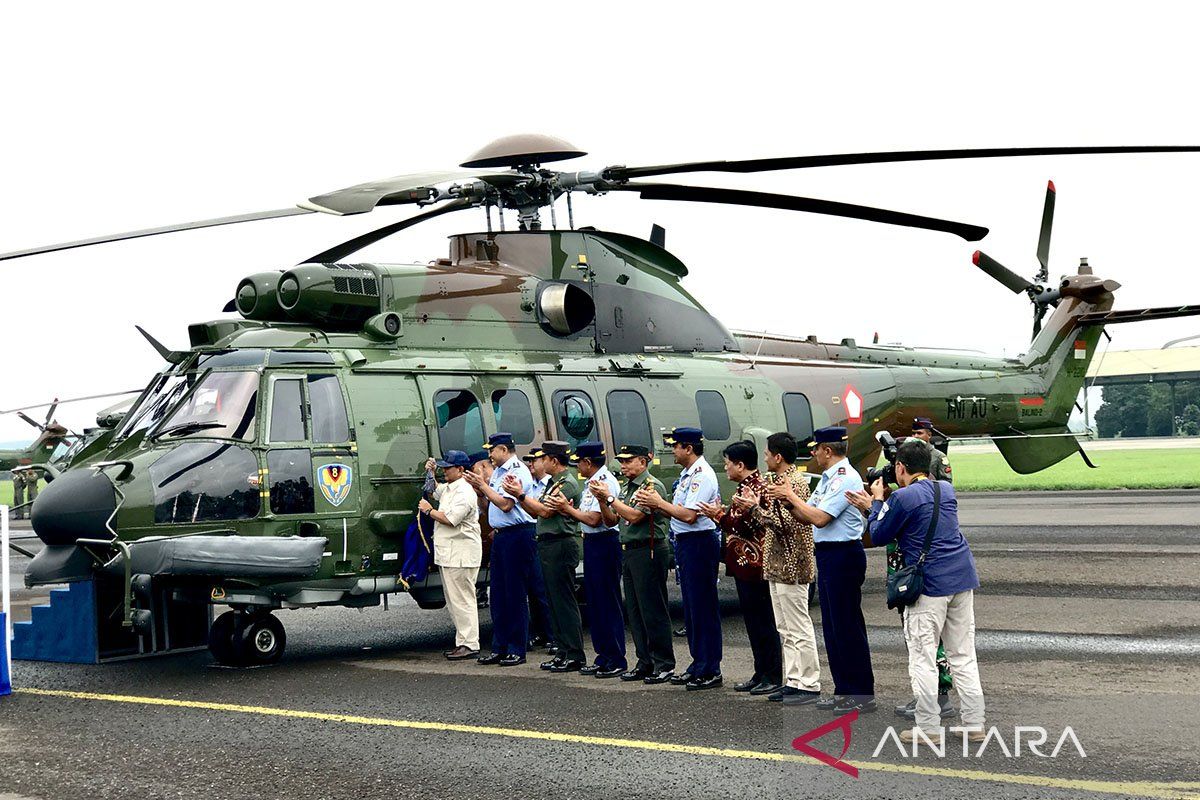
(335, 481)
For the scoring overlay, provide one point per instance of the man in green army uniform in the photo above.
(25, 489)
(922, 428)
(646, 552)
(560, 548)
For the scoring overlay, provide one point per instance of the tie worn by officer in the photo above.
(601, 565)
(646, 558)
(841, 570)
(698, 556)
(512, 547)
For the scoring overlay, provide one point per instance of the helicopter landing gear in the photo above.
(245, 639)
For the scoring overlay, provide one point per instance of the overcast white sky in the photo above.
(130, 115)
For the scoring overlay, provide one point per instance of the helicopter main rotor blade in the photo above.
(186, 226)
(415, 188)
(338, 252)
(620, 173)
(706, 194)
(1043, 249)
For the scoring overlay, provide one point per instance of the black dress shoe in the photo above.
(828, 703)
(682, 679)
(634, 675)
(659, 677)
(779, 694)
(863, 705)
(680, 631)
(551, 663)
(574, 665)
(537, 641)
(802, 698)
(711, 682)
(511, 660)
(590, 669)
(766, 687)
(490, 658)
(552, 649)
(746, 686)
(611, 672)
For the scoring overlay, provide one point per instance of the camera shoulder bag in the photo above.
(906, 584)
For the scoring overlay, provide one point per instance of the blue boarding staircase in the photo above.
(64, 631)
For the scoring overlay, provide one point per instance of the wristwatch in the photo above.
(521, 497)
(610, 499)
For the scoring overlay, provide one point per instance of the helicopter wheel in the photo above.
(221, 639)
(260, 640)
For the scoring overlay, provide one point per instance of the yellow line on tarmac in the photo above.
(1125, 788)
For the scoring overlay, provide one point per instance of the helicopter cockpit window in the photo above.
(576, 416)
(513, 414)
(289, 473)
(459, 419)
(222, 405)
(205, 481)
(292, 358)
(287, 411)
(714, 415)
(329, 421)
(629, 418)
(798, 413)
(232, 358)
(158, 400)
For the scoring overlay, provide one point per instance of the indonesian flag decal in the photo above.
(1080, 349)
(853, 403)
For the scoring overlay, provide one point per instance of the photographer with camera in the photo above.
(937, 587)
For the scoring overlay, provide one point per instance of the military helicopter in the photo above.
(277, 463)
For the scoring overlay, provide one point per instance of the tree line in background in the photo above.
(1146, 410)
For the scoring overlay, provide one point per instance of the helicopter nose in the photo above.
(75, 505)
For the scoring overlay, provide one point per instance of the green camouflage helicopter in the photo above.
(278, 462)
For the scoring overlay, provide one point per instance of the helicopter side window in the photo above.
(576, 416)
(629, 418)
(205, 481)
(287, 411)
(223, 405)
(513, 414)
(714, 415)
(798, 413)
(459, 420)
(329, 422)
(290, 477)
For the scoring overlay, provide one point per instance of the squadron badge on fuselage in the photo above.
(335, 481)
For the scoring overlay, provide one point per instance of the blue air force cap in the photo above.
(830, 435)
(684, 436)
(922, 424)
(455, 458)
(495, 439)
(476, 457)
(589, 450)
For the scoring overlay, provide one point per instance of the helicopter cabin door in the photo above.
(312, 457)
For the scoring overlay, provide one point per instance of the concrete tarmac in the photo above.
(1087, 619)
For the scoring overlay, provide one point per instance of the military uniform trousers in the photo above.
(512, 547)
(699, 555)
(602, 586)
(645, 576)
(18, 483)
(539, 604)
(754, 598)
(560, 557)
(841, 569)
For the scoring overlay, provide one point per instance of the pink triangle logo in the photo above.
(842, 723)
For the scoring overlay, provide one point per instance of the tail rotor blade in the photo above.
(29, 419)
(1043, 250)
(50, 412)
(1011, 280)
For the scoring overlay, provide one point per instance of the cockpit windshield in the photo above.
(158, 400)
(222, 405)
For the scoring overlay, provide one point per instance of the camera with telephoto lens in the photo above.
(888, 470)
